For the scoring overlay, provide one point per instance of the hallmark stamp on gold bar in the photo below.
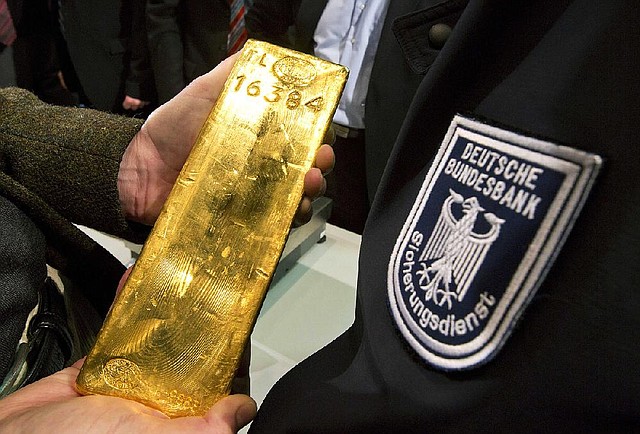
(174, 337)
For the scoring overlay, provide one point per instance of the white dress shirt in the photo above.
(348, 33)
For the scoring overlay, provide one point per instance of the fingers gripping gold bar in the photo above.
(175, 334)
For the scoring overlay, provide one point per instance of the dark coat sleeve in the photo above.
(139, 82)
(67, 157)
(165, 47)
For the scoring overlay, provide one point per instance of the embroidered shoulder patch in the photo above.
(492, 213)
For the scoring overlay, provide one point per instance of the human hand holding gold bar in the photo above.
(175, 334)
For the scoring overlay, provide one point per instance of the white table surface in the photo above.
(306, 309)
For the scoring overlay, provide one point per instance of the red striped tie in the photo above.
(237, 31)
(7, 31)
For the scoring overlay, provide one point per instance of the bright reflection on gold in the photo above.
(174, 337)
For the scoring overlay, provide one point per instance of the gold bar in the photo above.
(174, 337)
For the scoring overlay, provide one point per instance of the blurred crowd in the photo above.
(120, 56)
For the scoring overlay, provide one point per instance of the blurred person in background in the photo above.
(7, 37)
(188, 38)
(36, 57)
(108, 48)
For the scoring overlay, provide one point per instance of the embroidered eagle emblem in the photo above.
(454, 251)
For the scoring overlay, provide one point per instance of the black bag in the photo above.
(34, 330)
(46, 345)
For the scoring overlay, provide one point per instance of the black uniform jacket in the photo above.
(564, 72)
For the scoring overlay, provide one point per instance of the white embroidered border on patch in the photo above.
(492, 214)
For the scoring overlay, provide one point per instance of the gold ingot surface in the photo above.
(175, 335)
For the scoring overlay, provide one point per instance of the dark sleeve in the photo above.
(67, 157)
(270, 20)
(139, 83)
(165, 47)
